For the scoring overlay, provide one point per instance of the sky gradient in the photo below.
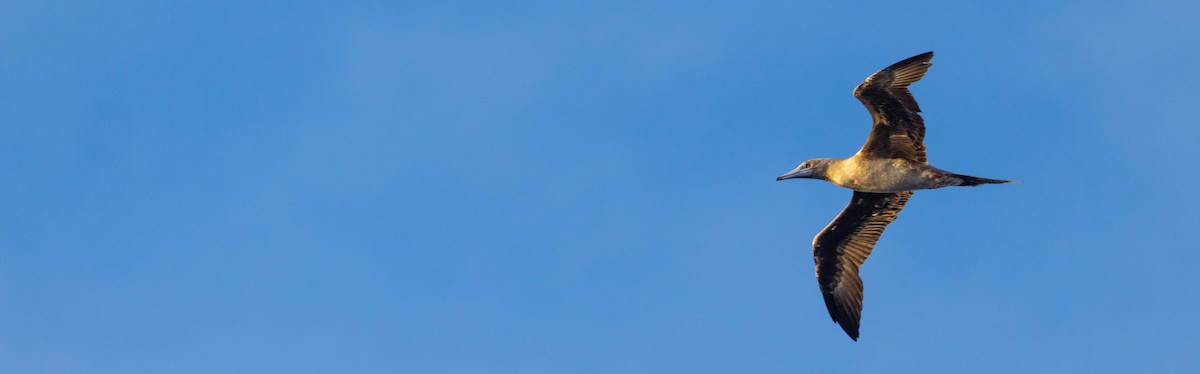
(556, 187)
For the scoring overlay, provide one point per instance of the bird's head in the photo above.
(814, 169)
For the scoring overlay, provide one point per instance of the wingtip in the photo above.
(923, 58)
(851, 332)
(899, 75)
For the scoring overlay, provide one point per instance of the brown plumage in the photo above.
(844, 245)
(883, 175)
(899, 130)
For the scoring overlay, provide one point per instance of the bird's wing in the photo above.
(841, 248)
(899, 131)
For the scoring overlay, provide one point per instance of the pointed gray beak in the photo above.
(798, 172)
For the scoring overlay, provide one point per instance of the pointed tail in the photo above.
(968, 180)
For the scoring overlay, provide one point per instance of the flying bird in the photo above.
(883, 174)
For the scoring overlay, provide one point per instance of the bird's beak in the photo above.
(798, 172)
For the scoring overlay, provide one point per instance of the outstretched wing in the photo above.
(841, 248)
(899, 131)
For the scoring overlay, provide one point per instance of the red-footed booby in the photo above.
(883, 175)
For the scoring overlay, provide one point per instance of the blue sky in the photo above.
(554, 187)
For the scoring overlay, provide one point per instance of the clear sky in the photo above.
(557, 187)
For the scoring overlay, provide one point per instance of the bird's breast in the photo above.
(878, 175)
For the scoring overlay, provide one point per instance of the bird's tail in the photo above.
(968, 180)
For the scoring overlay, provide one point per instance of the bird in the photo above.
(883, 174)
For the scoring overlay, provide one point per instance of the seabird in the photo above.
(883, 175)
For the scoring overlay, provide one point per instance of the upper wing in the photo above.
(899, 131)
(841, 248)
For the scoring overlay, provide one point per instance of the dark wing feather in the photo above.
(899, 131)
(841, 248)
